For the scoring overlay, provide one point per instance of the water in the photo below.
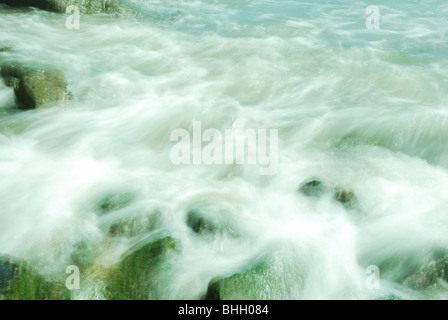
(363, 109)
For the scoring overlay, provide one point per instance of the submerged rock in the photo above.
(82, 255)
(35, 87)
(18, 281)
(413, 268)
(313, 188)
(114, 201)
(6, 274)
(432, 272)
(145, 273)
(211, 223)
(85, 6)
(136, 225)
(346, 197)
(279, 274)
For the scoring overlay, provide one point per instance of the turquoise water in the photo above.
(359, 108)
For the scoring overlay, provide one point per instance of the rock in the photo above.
(85, 6)
(35, 87)
(18, 281)
(114, 201)
(6, 274)
(82, 256)
(279, 274)
(207, 223)
(146, 272)
(136, 225)
(5, 49)
(313, 188)
(394, 267)
(431, 272)
(346, 197)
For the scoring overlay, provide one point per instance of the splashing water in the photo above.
(358, 108)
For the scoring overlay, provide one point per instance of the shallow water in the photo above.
(363, 109)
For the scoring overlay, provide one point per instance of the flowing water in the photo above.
(362, 109)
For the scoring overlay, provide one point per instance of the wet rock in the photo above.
(5, 49)
(35, 87)
(18, 281)
(313, 188)
(208, 223)
(346, 197)
(136, 225)
(278, 274)
(433, 271)
(114, 201)
(146, 272)
(85, 6)
(395, 267)
(82, 255)
(6, 274)
(413, 268)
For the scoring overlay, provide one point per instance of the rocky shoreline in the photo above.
(115, 7)
(43, 86)
(145, 271)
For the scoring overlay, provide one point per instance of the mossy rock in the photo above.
(144, 274)
(209, 224)
(407, 266)
(313, 187)
(114, 201)
(85, 6)
(18, 281)
(35, 87)
(136, 225)
(430, 273)
(279, 274)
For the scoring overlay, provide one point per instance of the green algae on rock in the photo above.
(146, 272)
(114, 201)
(278, 274)
(136, 225)
(35, 87)
(18, 281)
